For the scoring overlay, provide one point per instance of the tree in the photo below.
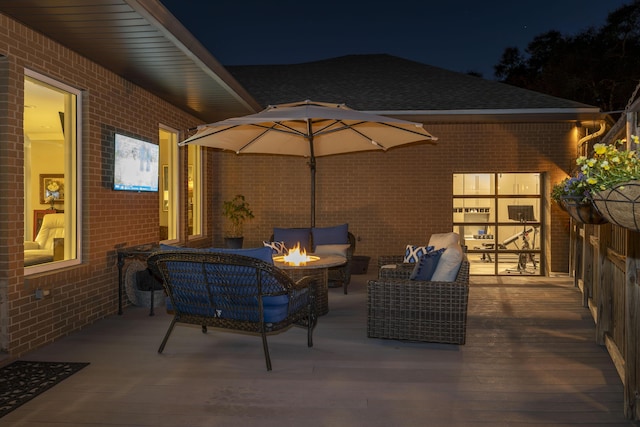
(599, 67)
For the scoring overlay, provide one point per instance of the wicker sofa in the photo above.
(233, 292)
(403, 309)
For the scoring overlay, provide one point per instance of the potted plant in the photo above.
(237, 212)
(613, 181)
(572, 194)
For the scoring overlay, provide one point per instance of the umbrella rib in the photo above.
(272, 128)
(351, 127)
(197, 137)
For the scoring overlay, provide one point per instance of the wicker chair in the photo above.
(403, 309)
(233, 292)
(341, 274)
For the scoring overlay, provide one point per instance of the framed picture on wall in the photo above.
(52, 188)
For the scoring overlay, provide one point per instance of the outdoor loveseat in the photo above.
(408, 303)
(233, 292)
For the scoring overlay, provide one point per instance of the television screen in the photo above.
(521, 213)
(135, 164)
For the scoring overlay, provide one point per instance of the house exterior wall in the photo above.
(401, 196)
(389, 199)
(83, 294)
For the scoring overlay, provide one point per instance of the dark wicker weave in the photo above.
(402, 269)
(321, 292)
(405, 309)
(230, 292)
(341, 274)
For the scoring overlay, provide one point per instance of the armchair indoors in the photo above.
(49, 243)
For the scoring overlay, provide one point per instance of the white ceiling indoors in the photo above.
(42, 108)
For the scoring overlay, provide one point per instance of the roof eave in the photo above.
(498, 115)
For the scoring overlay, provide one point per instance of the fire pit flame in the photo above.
(297, 257)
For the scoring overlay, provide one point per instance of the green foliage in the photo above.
(237, 211)
(574, 187)
(609, 166)
(599, 66)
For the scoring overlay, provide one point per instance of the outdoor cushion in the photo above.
(263, 253)
(443, 240)
(292, 236)
(413, 253)
(449, 264)
(426, 265)
(338, 234)
(332, 249)
(277, 248)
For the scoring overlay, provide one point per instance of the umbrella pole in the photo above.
(312, 167)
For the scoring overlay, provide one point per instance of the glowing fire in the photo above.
(297, 257)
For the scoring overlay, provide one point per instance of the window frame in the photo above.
(75, 197)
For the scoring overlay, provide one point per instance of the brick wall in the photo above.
(389, 199)
(83, 294)
(400, 196)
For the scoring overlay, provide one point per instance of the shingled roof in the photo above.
(388, 83)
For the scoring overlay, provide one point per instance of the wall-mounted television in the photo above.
(135, 164)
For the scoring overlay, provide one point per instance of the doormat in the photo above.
(21, 381)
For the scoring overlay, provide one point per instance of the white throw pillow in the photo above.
(444, 240)
(448, 265)
(332, 250)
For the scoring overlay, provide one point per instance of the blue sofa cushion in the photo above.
(335, 235)
(262, 253)
(426, 265)
(292, 236)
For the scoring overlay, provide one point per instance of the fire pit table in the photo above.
(319, 269)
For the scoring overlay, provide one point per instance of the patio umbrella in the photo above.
(308, 129)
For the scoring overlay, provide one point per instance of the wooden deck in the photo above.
(530, 360)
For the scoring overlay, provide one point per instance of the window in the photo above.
(498, 218)
(168, 200)
(194, 191)
(51, 165)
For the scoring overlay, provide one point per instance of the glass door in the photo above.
(498, 219)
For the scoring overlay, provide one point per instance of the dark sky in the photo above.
(459, 35)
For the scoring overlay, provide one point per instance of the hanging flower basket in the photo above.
(581, 211)
(620, 205)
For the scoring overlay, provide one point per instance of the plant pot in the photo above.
(620, 205)
(233, 242)
(584, 212)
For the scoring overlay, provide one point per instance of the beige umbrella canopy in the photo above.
(309, 129)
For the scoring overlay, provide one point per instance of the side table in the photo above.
(140, 252)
